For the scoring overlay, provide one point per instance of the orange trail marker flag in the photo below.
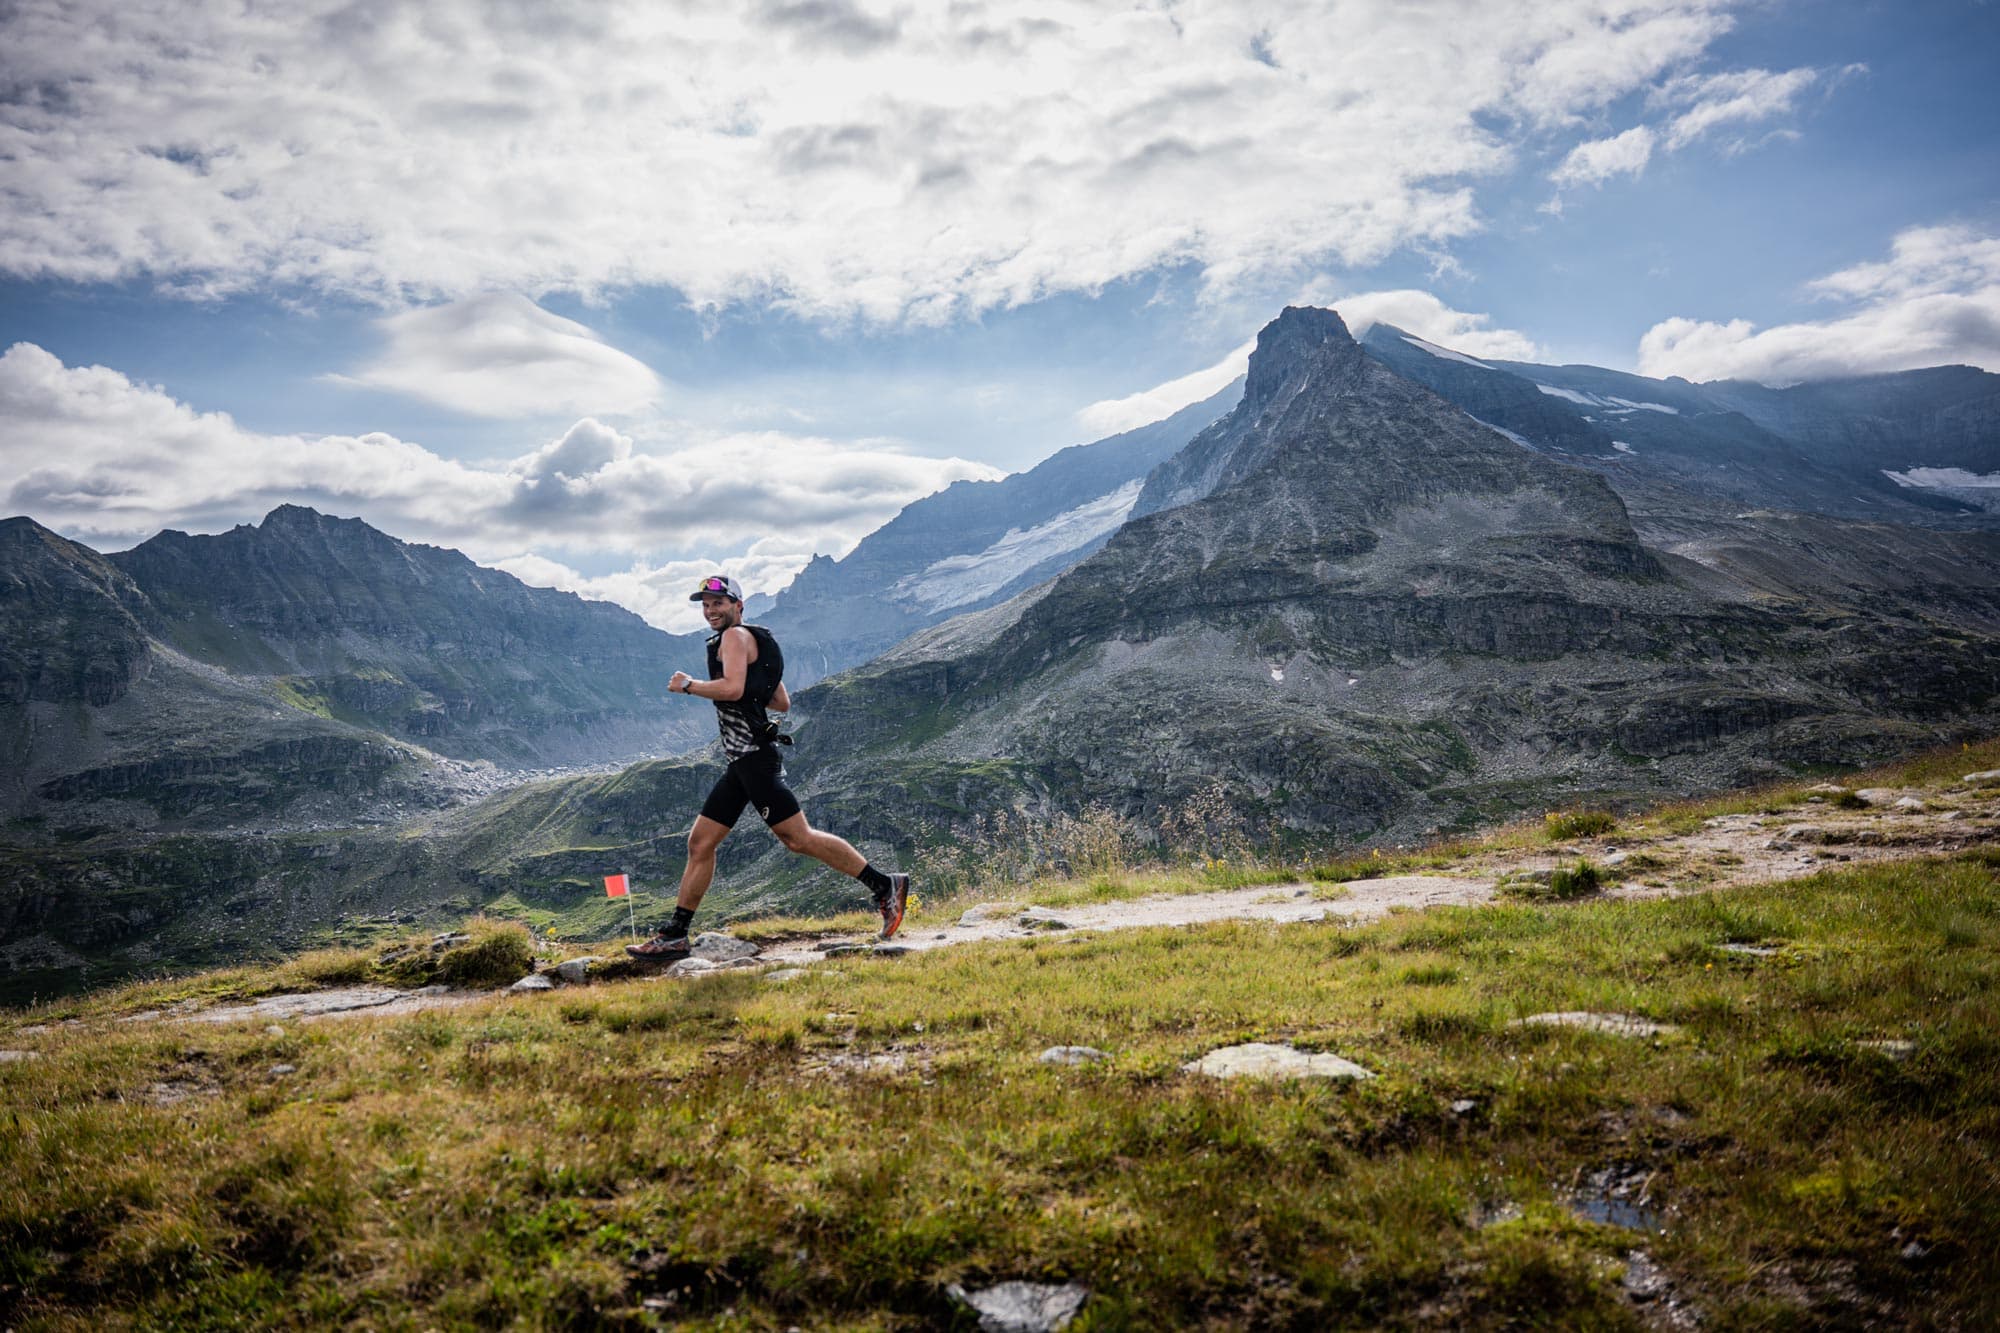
(620, 886)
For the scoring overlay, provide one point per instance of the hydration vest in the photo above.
(745, 724)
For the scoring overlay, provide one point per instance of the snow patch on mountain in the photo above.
(959, 579)
(1616, 407)
(1444, 352)
(1517, 438)
(1623, 447)
(1981, 490)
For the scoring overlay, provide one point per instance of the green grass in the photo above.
(1579, 879)
(554, 1160)
(1563, 825)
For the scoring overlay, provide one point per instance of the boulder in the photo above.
(1988, 778)
(691, 967)
(533, 981)
(973, 916)
(575, 971)
(719, 948)
(784, 974)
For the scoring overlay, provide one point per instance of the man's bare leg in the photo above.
(801, 837)
(891, 892)
(699, 873)
(671, 943)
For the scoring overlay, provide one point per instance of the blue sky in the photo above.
(610, 300)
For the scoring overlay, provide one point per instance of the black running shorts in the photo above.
(757, 779)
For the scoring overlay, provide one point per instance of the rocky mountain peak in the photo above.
(1301, 343)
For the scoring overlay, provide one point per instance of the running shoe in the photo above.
(892, 903)
(660, 949)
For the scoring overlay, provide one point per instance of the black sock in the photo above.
(682, 915)
(877, 882)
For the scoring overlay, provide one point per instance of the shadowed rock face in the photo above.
(1363, 611)
(72, 627)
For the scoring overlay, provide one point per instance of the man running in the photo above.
(745, 683)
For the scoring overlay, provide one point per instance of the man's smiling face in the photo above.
(721, 612)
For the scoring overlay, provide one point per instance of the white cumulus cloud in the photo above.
(110, 462)
(1113, 416)
(1935, 300)
(1423, 314)
(1737, 97)
(841, 158)
(659, 592)
(501, 355)
(1701, 105)
(1598, 160)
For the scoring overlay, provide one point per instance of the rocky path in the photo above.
(1834, 826)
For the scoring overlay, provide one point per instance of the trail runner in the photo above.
(745, 683)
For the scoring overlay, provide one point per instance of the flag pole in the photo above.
(630, 919)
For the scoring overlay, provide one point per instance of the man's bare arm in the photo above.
(781, 702)
(737, 645)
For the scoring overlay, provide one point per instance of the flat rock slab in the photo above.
(331, 1004)
(1989, 778)
(784, 974)
(1073, 1055)
(1891, 1047)
(14, 1057)
(1023, 1307)
(534, 981)
(1263, 1059)
(1284, 904)
(1752, 950)
(691, 967)
(1617, 1025)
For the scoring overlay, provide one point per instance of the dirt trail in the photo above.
(1833, 827)
(1889, 823)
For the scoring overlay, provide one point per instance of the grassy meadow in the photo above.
(1812, 1145)
(833, 1151)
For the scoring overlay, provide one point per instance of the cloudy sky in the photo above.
(611, 296)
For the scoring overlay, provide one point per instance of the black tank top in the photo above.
(746, 726)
